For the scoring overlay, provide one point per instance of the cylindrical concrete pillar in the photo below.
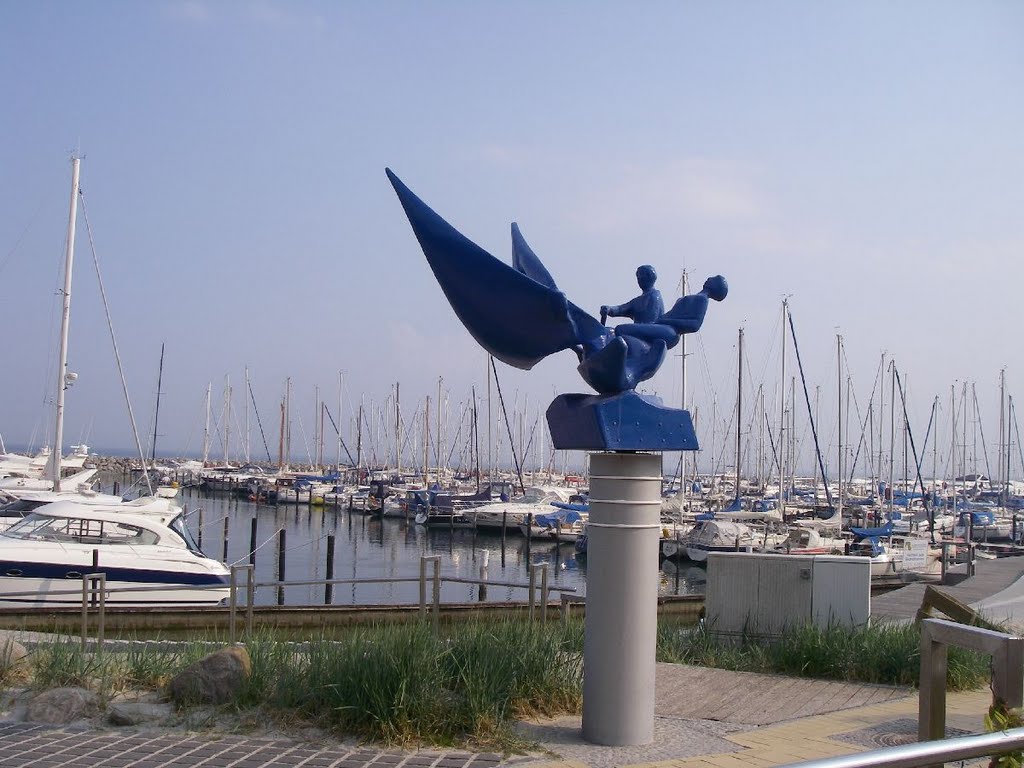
(622, 598)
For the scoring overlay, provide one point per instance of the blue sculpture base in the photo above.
(624, 422)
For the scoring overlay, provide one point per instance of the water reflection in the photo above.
(366, 547)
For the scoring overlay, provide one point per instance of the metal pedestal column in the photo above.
(622, 598)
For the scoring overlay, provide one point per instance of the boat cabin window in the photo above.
(76, 530)
(19, 506)
(178, 526)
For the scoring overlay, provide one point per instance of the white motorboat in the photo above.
(718, 536)
(144, 548)
(512, 514)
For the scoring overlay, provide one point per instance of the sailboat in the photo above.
(143, 542)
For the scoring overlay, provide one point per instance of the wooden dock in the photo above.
(991, 576)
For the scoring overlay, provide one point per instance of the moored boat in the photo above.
(44, 557)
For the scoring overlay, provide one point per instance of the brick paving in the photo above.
(26, 745)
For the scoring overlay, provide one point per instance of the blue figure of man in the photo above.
(645, 308)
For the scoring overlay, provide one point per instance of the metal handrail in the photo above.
(925, 753)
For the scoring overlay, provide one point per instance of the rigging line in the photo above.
(113, 340)
(458, 433)
(511, 442)
(810, 415)
(305, 440)
(257, 549)
(864, 424)
(910, 433)
(1020, 447)
(258, 422)
(981, 429)
(924, 445)
(338, 432)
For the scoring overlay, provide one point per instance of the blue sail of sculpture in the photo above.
(511, 314)
(527, 262)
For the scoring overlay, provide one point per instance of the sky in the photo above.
(864, 160)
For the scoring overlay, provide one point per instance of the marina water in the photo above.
(368, 547)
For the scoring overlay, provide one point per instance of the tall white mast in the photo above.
(227, 417)
(341, 420)
(782, 416)
(739, 412)
(682, 370)
(62, 364)
(245, 398)
(206, 429)
(839, 393)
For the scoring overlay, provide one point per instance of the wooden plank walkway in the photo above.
(749, 698)
(991, 576)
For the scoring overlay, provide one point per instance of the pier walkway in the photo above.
(704, 718)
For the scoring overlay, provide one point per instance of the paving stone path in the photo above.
(24, 745)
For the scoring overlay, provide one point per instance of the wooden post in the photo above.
(252, 543)
(329, 588)
(485, 556)
(225, 557)
(280, 564)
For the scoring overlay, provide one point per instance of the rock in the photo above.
(136, 713)
(11, 653)
(14, 705)
(61, 705)
(214, 679)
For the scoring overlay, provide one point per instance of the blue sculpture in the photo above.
(518, 315)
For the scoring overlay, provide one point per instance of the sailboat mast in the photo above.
(739, 412)
(398, 428)
(206, 428)
(839, 392)
(62, 364)
(227, 417)
(341, 415)
(248, 387)
(156, 414)
(782, 417)
(682, 371)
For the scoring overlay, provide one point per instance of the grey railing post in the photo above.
(436, 580)
(94, 587)
(232, 604)
(423, 587)
(544, 595)
(437, 591)
(1007, 652)
(532, 599)
(931, 721)
(250, 597)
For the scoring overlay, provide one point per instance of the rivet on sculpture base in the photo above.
(624, 422)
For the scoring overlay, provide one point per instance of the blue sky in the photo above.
(864, 158)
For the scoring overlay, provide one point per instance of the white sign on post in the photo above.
(915, 556)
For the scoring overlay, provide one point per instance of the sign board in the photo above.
(915, 556)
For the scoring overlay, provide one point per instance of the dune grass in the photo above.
(885, 653)
(467, 683)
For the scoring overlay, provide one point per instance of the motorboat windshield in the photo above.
(80, 530)
(178, 526)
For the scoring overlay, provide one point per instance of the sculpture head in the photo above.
(716, 288)
(645, 277)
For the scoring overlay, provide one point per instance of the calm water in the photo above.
(391, 548)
